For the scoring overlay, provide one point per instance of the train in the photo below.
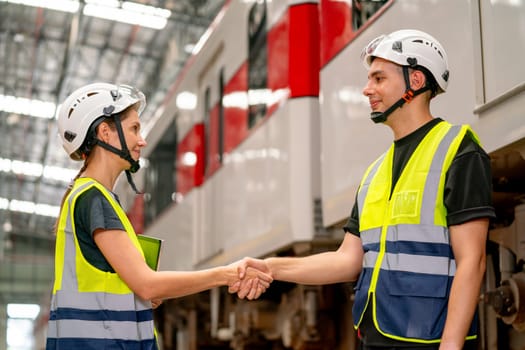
(260, 144)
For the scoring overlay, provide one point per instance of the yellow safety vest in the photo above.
(91, 308)
(408, 265)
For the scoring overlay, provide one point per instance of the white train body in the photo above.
(223, 182)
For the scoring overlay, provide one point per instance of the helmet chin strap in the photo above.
(122, 153)
(381, 117)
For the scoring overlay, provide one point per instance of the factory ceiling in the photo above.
(44, 55)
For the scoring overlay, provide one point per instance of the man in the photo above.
(416, 235)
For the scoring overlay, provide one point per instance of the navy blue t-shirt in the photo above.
(93, 211)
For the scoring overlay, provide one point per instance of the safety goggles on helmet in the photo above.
(368, 51)
(123, 95)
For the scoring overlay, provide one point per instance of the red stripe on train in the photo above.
(190, 160)
(293, 71)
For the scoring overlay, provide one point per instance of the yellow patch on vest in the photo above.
(405, 204)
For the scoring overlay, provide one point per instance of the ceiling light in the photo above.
(59, 5)
(30, 311)
(19, 38)
(113, 10)
(7, 227)
(47, 210)
(19, 105)
(22, 206)
(128, 12)
(26, 168)
(35, 169)
(29, 207)
(58, 173)
(145, 9)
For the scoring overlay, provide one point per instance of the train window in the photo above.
(207, 117)
(362, 10)
(257, 62)
(221, 116)
(159, 187)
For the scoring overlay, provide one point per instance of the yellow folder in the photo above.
(151, 246)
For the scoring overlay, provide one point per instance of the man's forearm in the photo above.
(463, 301)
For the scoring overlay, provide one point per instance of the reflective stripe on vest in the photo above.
(90, 306)
(408, 265)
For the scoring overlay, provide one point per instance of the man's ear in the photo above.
(417, 80)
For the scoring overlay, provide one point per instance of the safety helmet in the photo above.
(87, 104)
(409, 47)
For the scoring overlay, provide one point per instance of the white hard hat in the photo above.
(89, 103)
(413, 48)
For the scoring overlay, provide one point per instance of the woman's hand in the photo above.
(155, 303)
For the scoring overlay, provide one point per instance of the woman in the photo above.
(104, 291)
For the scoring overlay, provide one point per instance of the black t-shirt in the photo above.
(93, 211)
(467, 196)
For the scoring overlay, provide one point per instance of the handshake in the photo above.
(251, 278)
